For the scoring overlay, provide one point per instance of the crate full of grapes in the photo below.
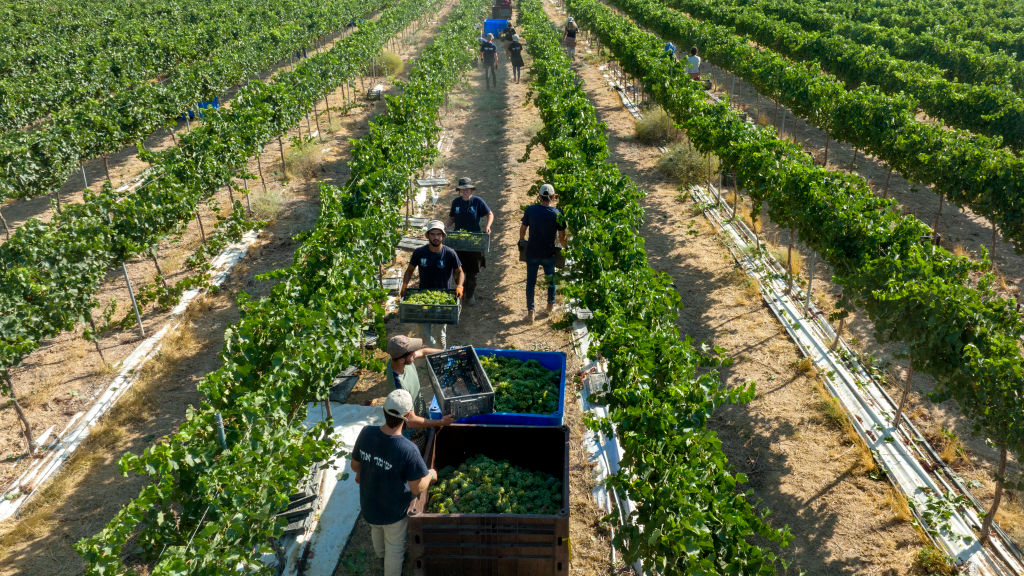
(466, 241)
(430, 307)
(461, 385)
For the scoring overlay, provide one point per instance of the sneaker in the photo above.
(529, 316)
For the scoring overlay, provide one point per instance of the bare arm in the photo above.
(417, 487)
(416, 421)
(561, 238)
(490, 220)
(408, 276)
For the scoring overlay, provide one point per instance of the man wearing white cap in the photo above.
(437, 265)
(390, 472)
(401, 373)
(541, 220)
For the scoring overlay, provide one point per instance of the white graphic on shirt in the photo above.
(377, 460)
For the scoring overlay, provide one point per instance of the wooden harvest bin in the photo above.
(429, 313)
(535, 544)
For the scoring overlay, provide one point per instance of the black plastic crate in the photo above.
(534, 544)
(460, 383)
(466, 241)
(430, 313)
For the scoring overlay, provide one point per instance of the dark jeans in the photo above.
(516, 71)
(471, 267)
(491, 73)
(531, 278)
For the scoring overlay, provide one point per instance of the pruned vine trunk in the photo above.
(26, 426)
(906, 394)
(990, 516)
(7, 230)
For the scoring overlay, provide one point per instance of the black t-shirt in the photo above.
(570, 31)
(435, 267)
(516, 50)
(467, 215)
(387, 465)
(489, 51)
(543, 223)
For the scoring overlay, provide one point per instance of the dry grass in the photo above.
(531, 128)
(267, 205)
(961, 251)
(304, 158)
(684, 165)
(751, 289)
(654, 128)
(390, 62)
(897, 503)
(806, 366)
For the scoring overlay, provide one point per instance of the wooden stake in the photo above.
(319, 132)
(135, 304)
(7, 229)
(280, 147)
(853, 163)
(106, 167)
(259, 165)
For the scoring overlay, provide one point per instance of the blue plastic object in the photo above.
(549, 360)
(215, 103)
(494, 26)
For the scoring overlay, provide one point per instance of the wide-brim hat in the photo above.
(435, 225)
(465, 183)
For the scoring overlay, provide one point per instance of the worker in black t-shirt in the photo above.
(515, 56)
(542, 221)
(465, 214)
(489, 55)
(390, 472)
(438, 265)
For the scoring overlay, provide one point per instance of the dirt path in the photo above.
(90, 489)
(799, 458)
(491, 130)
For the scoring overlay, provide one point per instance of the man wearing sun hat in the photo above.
(390, 472)
(437, 265)
(401, 374)
(465, 214)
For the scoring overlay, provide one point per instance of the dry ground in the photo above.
(86, 495)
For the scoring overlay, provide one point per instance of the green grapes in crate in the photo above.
(430, 298)
(481, 485)
(522, 387)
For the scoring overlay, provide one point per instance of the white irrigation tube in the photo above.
(64, 445)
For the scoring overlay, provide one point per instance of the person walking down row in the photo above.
(515, 56)
(693, 64)
(569, 38)
(489, 55)
(438, 266)
(465, 214)
(542, 221)
(390, 472)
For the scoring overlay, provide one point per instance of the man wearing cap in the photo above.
(465, 214)
(542, 222)
(515, 56)
(390, 472)
(489, 55)
(401, 372)
(437, 265)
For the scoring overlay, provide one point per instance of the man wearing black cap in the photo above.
(401, 373)
(542, 222)
(390, 471)
(465, 214)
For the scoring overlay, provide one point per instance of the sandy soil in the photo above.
(58, 380)
(801, 463)
(491, 130)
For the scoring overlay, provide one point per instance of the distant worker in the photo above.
(489, 55)
(438, 266)
(465, 214)
(542, 222)
(693, 64)
(569, 38)
(401, 373)
(390, 472)
(515, 56)
(670, 50)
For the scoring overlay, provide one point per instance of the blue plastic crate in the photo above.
(549, 360)
(215, 104)
(494, 26)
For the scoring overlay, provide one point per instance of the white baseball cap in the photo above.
(547, 191)
(398, 403)
(436, 225)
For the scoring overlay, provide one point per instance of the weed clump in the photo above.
(683, 164)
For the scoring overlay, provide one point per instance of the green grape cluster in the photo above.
(523, 387)
(460, 235)
(481, 485)
(430, 298)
